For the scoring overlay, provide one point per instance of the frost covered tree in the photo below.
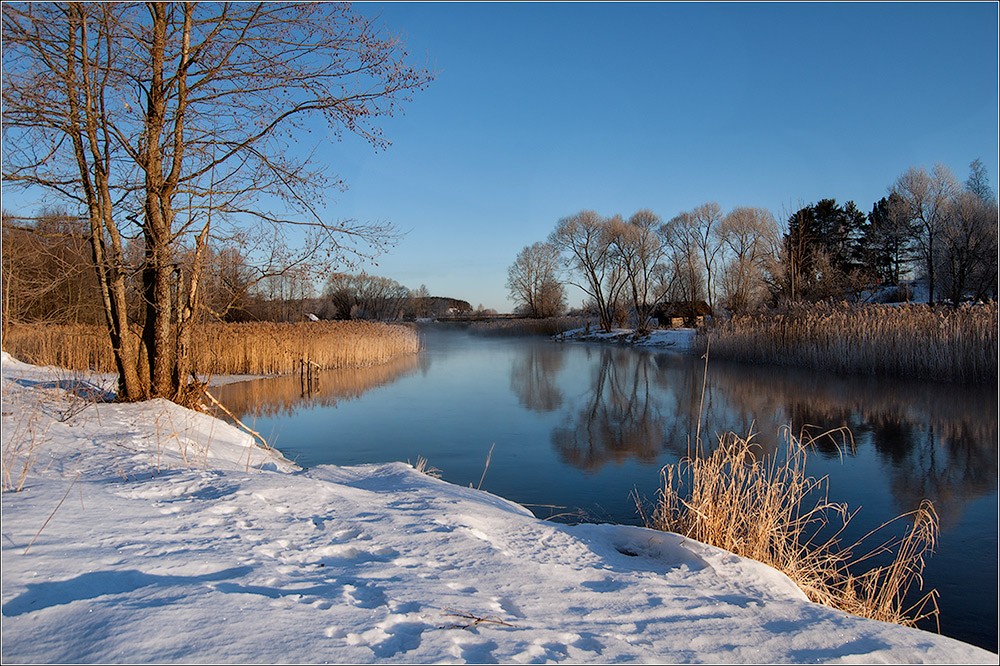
(172, 123)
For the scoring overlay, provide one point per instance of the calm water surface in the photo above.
(578, 429)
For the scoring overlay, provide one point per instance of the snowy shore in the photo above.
(674, 339)
(149, 533)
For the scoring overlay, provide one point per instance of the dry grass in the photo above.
(517, 327)
(941, 343)
(249, 348)
(24, 428)
(283, 395)
(767, 508)
(425, 467)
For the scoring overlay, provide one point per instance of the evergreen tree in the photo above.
(887, 244)
(823, 250)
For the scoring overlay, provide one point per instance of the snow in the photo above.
(150, 533)
(675, 339)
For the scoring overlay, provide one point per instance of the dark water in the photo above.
(578, 429)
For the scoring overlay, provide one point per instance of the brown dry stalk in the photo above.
(768, 509)
(65, 495)
(473, 620)
(941, 343)
(259, 348)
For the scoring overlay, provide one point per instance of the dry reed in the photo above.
(768, 509)
(517, 327)
(23, 430)
(218, 349)
(938, 343)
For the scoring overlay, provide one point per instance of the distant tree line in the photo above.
(48, 276)
(928, 227)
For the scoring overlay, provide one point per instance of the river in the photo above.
(576, 431)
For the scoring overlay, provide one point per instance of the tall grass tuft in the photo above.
(938, 343)
(245, 348)
(768, 509)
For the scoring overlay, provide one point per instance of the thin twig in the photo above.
(475, 620)
(30, 543)
(228, 413)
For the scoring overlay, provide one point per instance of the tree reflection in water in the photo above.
(618, 419)
(937, 441)
(533, 378)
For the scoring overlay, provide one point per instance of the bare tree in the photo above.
(707, 218)
(978, 183)
(586, 244)
(928, 198)
(47, 273)
(533, 283)
(169, 123)
(640, 249)
(366, 296)
(685, 280)
(749, 237)
(968, 249)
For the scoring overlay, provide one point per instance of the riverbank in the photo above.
(676, 339)
(150, 533)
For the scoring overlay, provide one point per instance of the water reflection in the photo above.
(935, 441)
(618, 419)
(533, 379)
(285, 395)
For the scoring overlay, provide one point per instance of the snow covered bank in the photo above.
(148, 533)
(677, 339)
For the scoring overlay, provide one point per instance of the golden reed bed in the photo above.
(227, 349)
(939, 343)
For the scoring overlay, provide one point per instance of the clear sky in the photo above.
(539, 111)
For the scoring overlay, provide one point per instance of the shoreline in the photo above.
(167, 536)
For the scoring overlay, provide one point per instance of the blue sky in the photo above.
(542, 110)
(539, 111)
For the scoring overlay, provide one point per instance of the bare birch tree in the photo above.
(170, 123)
